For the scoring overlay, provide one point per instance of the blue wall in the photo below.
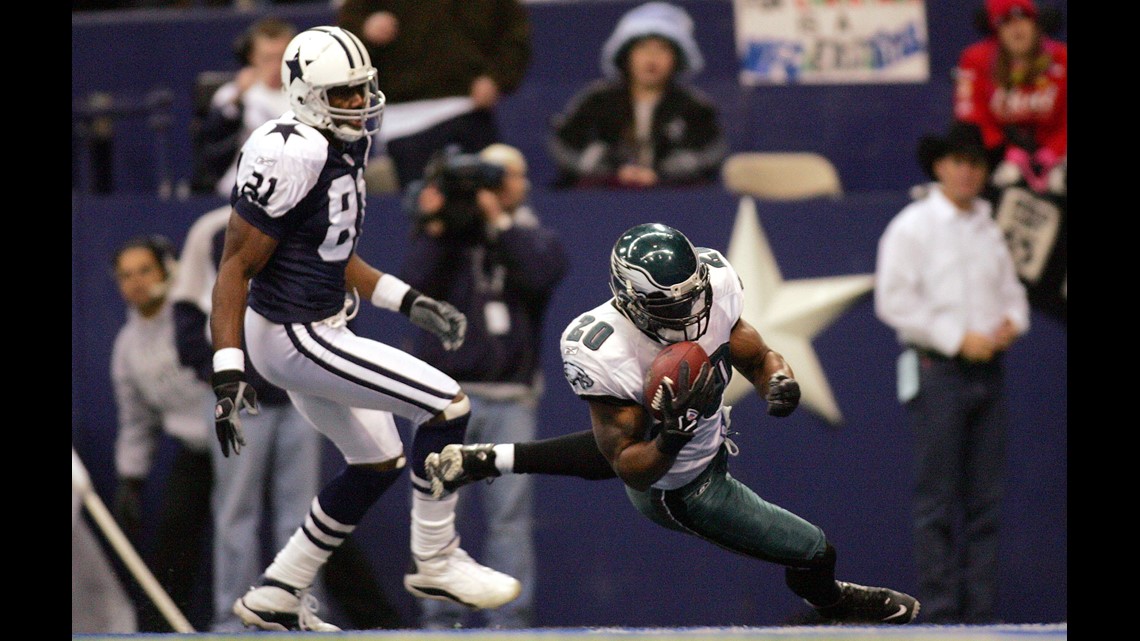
(596, 552)
(867, 130)
(597, 555)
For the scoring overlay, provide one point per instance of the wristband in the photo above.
(229, 358)
(410, 297)
(389, 292)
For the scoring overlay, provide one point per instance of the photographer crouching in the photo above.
(477, 244)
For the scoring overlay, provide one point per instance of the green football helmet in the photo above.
(660, 284)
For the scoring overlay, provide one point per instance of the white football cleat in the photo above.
(452, 575)
(276, 606)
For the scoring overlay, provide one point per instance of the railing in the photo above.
(94, 120)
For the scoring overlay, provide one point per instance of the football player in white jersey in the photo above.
(289, 259)
(675, 471)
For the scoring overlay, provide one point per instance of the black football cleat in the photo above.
(861, 604)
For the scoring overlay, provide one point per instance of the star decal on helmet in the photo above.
(286, 130)
(294, 67)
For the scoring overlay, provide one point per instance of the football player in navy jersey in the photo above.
(675, 470)
(290, 279)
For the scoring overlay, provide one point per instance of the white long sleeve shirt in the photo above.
(197, 271)
(942, 272)
(153, 391)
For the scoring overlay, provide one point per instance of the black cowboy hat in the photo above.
(962, 139)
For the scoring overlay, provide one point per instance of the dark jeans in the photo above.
(959, 421)
(181, 557)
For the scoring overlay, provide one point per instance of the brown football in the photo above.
(668, 364)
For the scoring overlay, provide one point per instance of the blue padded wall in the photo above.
(596, 554)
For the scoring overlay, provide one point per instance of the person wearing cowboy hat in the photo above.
(640, 125)
(945, 282)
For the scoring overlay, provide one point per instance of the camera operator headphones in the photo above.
(243, 47)
(269, 26)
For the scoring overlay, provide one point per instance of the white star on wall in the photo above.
(788, 314)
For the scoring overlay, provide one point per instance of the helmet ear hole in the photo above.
(324, 58)
(660, 284)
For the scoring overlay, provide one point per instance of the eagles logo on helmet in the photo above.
(660, 284)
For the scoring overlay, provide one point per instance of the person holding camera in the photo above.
(479, 245)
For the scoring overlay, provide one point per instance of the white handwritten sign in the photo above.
(831, 41)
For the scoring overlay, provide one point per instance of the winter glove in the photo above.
(128, 504)
(1058, 177)
(233, 394)
(681, 409)
(783, 395)
(1044, 161)
(438, 317)
(1006, 174)
(1016, 166)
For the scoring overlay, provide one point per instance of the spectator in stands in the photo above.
(155, 394)
(277, 477)
(1014, 86)
(946, 283)
(254, 97)
(479, 245)
(640, 126)
(443, 67)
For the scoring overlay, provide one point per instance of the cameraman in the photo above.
(478, 246)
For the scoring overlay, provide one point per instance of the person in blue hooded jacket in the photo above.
(641, 125)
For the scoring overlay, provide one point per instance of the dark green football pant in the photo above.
(720, 509)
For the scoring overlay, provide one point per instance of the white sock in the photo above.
(299, 561)
(505, 457)
(433, 523)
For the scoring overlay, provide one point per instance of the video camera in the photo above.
(461, 175)
(458, 177)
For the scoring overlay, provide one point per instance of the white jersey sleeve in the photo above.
(600, 354)
(280, 163)
(138, 423)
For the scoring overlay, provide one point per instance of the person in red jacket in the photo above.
(1014, 86)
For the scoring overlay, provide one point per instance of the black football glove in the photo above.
(440, 318)
(128, 504)
(681, 409)
(783, 395)
(233, 394)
